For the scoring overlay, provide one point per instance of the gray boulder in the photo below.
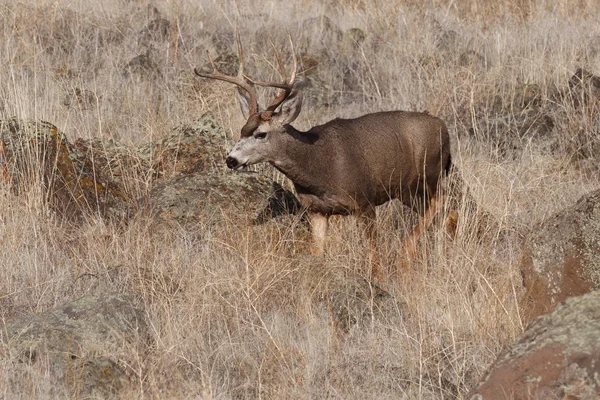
(85, 345)
(561, 256)
(556, 358)
(36, 151)
(189, 199)
(196, 186)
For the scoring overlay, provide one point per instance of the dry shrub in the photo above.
(241, 311)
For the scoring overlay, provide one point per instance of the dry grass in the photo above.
(242, 311)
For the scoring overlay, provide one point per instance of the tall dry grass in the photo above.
(242, 311)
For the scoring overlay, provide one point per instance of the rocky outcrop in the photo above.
(36, 151)
(186, 170)
(509, 132)
(584, 87)
(197, 187)
(85, 344)
(556, 358)
(189, 199)
(560, 120)
(561, 256)
(200, 146)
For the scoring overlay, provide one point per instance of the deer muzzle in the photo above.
(232, 162)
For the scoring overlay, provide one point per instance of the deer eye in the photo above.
(261, 135)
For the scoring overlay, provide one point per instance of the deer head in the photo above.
(264, 126)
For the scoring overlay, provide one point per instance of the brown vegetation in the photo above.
(237, 310)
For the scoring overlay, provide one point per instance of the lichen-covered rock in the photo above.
(156, 30)
(200, 197)
(142, 67)
(36, 151)
(510, 132)
(317, 92)
(196, 147)
(98, 176)
(561, 256)
(318, 33)
(556, 358)
(226, 62)
(471, 59)
(353, 301)
(196, 186)
(84, 344)
(527, 96)
(115, 161)
(313, 33)
(79, 98)
(584, 87)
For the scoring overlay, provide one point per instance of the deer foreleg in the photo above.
(318, 226)
(435, 205)
(368, 221)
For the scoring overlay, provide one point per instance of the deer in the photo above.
(345, 166)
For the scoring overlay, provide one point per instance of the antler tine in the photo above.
(295, 67)
(286, 86)
(239, 81)
(279, 62)
(240, 55)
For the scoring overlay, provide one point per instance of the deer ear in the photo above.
(244, 100)
(290, 109)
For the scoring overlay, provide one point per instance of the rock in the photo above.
(353, 301)
(472, 59)
(223, 41)
(279, 202)
(354, 37)
(32, 151)
(200, 197)
(561, 256)
(556, 358)
(317, 92)
(311, 35)
(92, 175)
(142, 67)
(157, 30)
(197, 147)
(584, 87)
(226, 63)
(197, 187)
(319, 32)
(446, 41)
(527, 95)
(536, 119)
(82, 99)
(68, 32)
(309, 64)
(509, 133)
(84, 344)
(114, 160)
(592, 48)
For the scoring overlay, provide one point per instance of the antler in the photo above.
(286, 86)
(240, 80)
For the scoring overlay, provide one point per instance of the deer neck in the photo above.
(300, 159)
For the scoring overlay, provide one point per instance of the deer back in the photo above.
(376, 157)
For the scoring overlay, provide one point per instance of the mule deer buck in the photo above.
(346, 166)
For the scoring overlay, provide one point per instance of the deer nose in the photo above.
(231, 162)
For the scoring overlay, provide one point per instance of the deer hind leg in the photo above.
(436, 203)
(319, 223)
(368, 221)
